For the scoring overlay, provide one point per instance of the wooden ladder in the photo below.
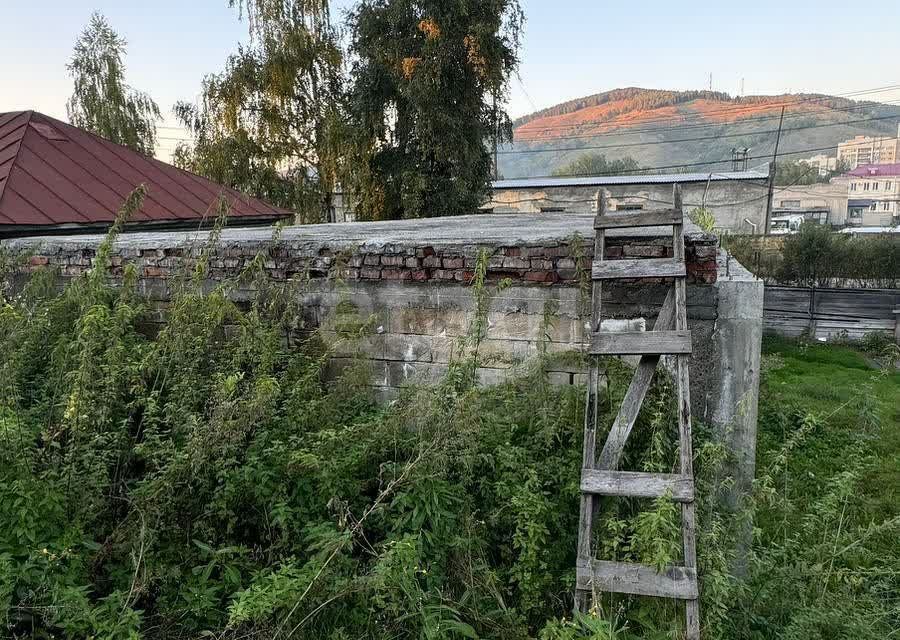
(600, 476)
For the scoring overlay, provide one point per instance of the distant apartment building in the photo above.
(820, 203)
(823, 164)
(874, 195)
(869, 150)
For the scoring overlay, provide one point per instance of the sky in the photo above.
(571, 48)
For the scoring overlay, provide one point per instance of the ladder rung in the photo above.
(640, 268)
(641, 343)
(654, 218)
(637, 579)
(633, 484)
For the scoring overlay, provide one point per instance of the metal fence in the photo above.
(830, 313)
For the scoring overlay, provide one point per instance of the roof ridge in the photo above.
(18, 144)
(92, 175)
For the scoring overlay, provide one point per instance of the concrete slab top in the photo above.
(485, 229)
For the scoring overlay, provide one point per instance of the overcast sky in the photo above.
(572, 48)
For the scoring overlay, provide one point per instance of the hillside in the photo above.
(693, 127)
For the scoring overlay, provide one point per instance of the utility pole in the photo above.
(772, 169)
(496, 134)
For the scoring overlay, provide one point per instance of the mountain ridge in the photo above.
(660, 128)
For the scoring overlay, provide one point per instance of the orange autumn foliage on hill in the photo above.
(625, 108)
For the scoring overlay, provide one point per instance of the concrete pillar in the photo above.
(733, 405)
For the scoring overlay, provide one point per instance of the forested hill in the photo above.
(664, 128)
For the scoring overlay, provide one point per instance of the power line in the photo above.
(705, 125)
(778, 190)
(745, 107)
(698, 139)
(628, 172)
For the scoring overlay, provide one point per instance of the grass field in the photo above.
(855, 400)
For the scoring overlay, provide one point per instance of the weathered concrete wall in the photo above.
(739, 206)
(411, 279)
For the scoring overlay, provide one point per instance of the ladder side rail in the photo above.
(589, 447)
(685, 450)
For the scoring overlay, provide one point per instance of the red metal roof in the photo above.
(52, 173)
(876, 170)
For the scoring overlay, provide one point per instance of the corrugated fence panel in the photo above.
(827, 313)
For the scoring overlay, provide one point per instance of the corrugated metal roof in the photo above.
(52, 173)
(876, 170)
(761, 173)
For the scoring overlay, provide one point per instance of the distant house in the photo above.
(874, 195)
(737, 199)
(56, 178)
(821, 203)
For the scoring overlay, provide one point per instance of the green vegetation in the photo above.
(102, 102)
(267, 124)
(399, 113)
(207, 479)
(816, 256)
(703, 218)
(796, 172)
(425, 98)
(596, 164)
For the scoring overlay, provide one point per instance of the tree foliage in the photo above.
(427, 82)
(267, 124)
(797, 172)
(817, 256)
(102, 102)
(596, 164)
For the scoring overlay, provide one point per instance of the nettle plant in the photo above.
(210, 479)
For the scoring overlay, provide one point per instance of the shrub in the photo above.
(210, 480)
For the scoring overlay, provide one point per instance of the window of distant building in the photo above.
(874, 186)
(886, 206)
(852, 186)
(865, 186)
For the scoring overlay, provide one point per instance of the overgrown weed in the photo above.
(210, 480)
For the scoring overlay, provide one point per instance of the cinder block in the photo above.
(407, 347)
(403, 374)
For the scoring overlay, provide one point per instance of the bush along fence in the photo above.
(816, 256)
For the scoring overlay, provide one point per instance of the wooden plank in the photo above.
(637, 579)
(634, 397)
(655, 218)
(641, 343)
(639, 268)
(588, 506)
(685, 450)
(637, 485)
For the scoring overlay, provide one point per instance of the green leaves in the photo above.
(425, 95)
(102, 102)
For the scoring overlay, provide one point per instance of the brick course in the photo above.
(550, 264)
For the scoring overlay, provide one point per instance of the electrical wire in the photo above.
(690, 164)
(698, 139)
(750, 106)
(738, 123)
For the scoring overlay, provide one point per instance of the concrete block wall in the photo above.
(416, 329)
(411, 278)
